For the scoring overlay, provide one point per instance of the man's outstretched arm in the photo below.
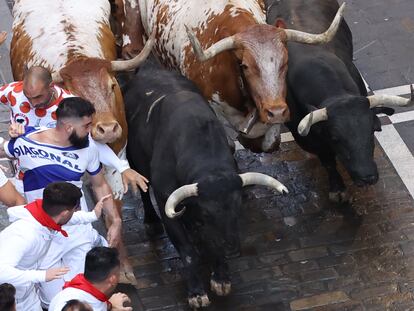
(101, 189)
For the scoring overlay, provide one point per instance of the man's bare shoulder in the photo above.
(46, 136)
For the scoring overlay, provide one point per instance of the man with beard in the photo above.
(33, 102)
(65, 153)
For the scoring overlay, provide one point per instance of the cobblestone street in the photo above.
(299, 251)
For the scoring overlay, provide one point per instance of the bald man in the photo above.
(33, 100)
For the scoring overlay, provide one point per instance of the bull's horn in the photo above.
(3, 36)
(130, 64)
(218, 47)
(177, 196)
(390, 100)
(305, 37)
(264, 180)
(310, 119)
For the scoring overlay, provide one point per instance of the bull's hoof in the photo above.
(199, 301)
(127, 277)
(339, 197)
(221, 289)
(272, 139)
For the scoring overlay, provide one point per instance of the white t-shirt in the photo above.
(23, 244)
(45, 163)
(22, 112)
(70, 293)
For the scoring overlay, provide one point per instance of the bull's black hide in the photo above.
(325, 77)
(175, 139)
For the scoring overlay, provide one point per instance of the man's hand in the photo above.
(16, 129)
(3, 36)
(117, 300)
(56, 273)
(114, 234)
(129, 176)
(99, 206)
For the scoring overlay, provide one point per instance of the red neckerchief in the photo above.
(81, 283)
(35, 208)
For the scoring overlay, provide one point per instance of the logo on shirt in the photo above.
(42, 154)
(70, 155)
(21, 118)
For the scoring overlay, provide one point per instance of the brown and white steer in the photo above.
(74, 41)
(240, 62)
(127, 27)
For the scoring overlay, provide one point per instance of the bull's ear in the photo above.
(385, 110)
(280, 23)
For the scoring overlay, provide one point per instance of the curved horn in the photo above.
(391, 100)
(177, 196)
(218, 47)
(305, 37)
(310, 119)
(264, 180)
(130, 64)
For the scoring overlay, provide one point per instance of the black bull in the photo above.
(324, 80)
(176, 140)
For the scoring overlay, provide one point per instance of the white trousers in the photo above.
(68, 252)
